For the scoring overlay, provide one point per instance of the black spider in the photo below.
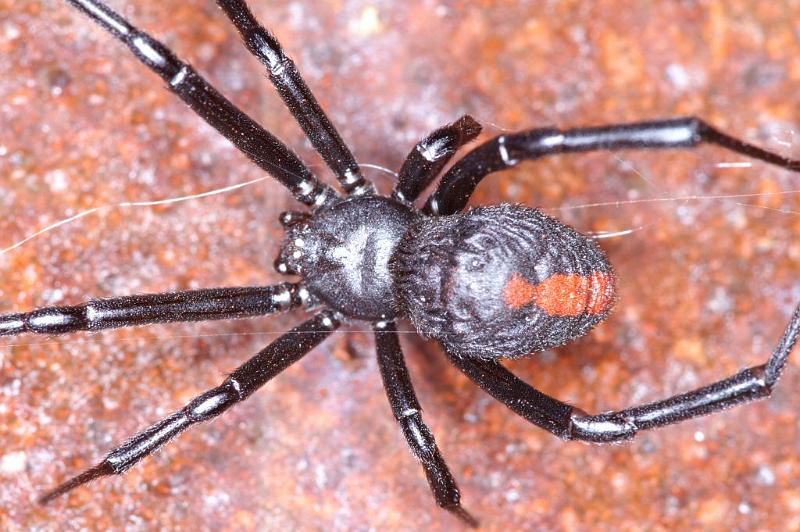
(494, 282)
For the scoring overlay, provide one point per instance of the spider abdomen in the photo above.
(501, 281)
(343, 254)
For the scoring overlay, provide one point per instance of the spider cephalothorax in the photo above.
(343, 254)
(495, 282)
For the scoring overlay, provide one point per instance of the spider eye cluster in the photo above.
(501, 281)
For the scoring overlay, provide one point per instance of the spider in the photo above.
(490, 283)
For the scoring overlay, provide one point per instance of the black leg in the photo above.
(239, 385)
(297, 96)
(259, 145)
(408, 412)
(128, 311)
(506, 151)
(573, 424)
(431, 154)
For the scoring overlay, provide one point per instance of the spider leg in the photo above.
(408, 412)
(254, 141)
(128, 311)
(431, 154)
(297, 96)
(239, 385)
(572, 423)
(506, 151)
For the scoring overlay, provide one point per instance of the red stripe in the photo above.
(563, 294)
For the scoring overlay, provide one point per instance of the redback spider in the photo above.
(519, 289)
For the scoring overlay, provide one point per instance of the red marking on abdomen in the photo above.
(563, 294)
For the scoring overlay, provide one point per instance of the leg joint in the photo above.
(419, 436)
(213, 402)
(601, 428)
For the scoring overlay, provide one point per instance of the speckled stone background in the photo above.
(709, 265)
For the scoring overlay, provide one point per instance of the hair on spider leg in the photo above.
(364, 257)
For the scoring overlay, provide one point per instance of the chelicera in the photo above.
(488, 283)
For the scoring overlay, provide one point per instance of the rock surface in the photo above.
(708, 265)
